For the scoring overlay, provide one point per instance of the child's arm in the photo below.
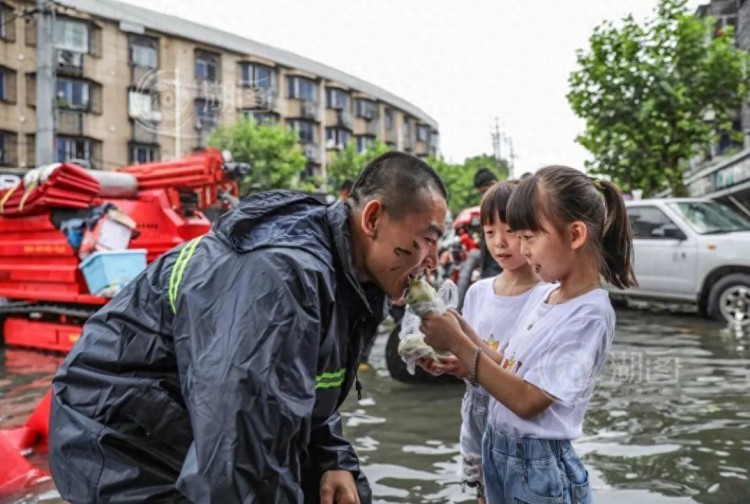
(474, 337)
(522, 398)
(444, 332)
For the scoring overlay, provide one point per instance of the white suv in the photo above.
(694, 250)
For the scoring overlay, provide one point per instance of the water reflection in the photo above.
(670, 422)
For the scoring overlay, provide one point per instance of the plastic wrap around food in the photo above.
(421, 300)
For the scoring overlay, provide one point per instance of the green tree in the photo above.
(273, 152)
(459, 178)
(348, 163)
(647, 93)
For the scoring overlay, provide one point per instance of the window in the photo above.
(69, 148)
(3, 152)
(144, 153)
(423, 133)
(407, 128)
(143, 52)
(3, 92)
(711, 217)
(336, 138)
(302, 88)
(337, 99)
(72, 35)
(206, 66)
(257, 75)
(366, 109)
(73, 94)
(143, 106)
(6, 16)
(306, 130)
(645, 220)
(388, 119)
(260, 117)
(364, 143)
(206, 114)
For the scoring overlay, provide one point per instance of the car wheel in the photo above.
(729, 299)
(397, 367)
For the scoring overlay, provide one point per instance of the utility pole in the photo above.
(45, 83)
(498, 139)
(497, 144)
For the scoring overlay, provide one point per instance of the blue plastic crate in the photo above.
(110, 271)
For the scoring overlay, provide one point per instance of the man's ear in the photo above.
(371, 215)
(578, 234)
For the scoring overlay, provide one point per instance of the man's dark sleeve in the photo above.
(247, 341)
(329, 451)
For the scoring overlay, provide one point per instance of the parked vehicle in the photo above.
(692, 250)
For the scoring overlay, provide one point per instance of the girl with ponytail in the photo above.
(574, 231)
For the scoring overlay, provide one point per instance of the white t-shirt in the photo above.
(560, 349)
(492, 315)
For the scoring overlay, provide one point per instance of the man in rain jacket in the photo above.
(216, 375)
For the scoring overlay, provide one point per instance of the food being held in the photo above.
(421, 297)
(412, 348)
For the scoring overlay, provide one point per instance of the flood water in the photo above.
(670, 422)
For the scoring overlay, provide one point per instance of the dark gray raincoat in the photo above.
(216, 375)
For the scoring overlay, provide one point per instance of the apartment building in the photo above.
(133, 85)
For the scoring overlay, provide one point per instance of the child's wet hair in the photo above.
(562, 195)
(495, 202)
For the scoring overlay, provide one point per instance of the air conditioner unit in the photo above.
(69, 59)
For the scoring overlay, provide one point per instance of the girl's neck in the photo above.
(515, 282)
(578, 282)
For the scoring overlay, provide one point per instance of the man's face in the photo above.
(399, 249)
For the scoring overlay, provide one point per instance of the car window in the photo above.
(710, 217)
(645, 219)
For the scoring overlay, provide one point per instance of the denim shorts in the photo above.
(523, 470)
(474, 414)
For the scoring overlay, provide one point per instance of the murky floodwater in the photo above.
(670, 422)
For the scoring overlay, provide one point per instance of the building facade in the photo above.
(133, 85)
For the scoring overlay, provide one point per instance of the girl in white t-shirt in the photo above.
(491, 306)
(573, 230)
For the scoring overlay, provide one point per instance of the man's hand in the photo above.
(444, 365)
(338, 487)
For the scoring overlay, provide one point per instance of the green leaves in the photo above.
(348, 163)
(644, 91)
(459, 178)
(273, 152)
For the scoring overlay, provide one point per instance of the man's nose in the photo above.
(431, 259)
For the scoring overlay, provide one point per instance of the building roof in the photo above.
(182, 28)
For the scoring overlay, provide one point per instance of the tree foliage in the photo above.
(653, 94)
(273, 152)
(348, 163)
(459, 178)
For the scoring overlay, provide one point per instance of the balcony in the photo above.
(372, 127)
(70, 122)
(144, 78)
(210, 91)
(145, 133)
(309, 109)
(345, 120)
(70, 63)
(312, 152)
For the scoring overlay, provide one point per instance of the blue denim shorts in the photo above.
(523, 470)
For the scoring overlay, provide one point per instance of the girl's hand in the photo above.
(465, 327)
(441, 332)
(430, 366)
(449, 364)
(444, 365)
